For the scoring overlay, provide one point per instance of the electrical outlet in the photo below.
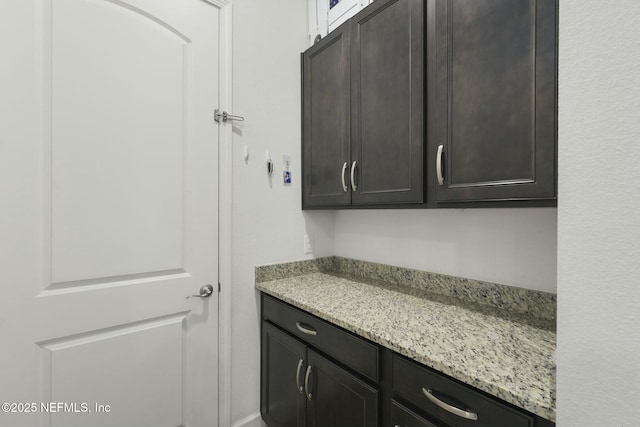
(308, 244)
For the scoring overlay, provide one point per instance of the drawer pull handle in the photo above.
(300, 389)
(456, 411)
(305, 329)
(306, 383)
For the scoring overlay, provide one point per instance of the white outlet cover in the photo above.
(308, 244)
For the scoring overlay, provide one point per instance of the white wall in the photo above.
(598, 230)
(511, 246)
(514, 247)
(599, 214)
(268, 224)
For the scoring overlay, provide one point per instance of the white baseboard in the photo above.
(253, 420)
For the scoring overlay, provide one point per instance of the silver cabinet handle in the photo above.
(305, 329)
(205, 292)
(452, 409)
(439, 165)
(300, 363)
(354, 187)
(344, 184)
(306, 383)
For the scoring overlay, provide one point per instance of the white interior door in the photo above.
(109, 192)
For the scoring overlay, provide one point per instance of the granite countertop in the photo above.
(489, 340)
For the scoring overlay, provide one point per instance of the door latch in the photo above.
(224, 116)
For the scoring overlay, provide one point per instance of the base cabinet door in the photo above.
(337, 398)
(401, 416)
(283, 403)
(301, 388)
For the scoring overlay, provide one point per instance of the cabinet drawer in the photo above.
(403, 417)
(412, 381)
(355, 352)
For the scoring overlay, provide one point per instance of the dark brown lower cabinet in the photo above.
(338, 398)
(310, 379)
(401, 416)
(283, 403)
(449, 402)
(302, 388)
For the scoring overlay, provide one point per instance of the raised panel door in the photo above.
(111, 216)
(495, 114)
(283, 360)
(387, 103)
(338, 398)
(326, 121)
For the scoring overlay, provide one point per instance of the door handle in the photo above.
(439, 165)
(344, 184)
(205, 292)
(306, 383)
(354, 187)
(300, 388)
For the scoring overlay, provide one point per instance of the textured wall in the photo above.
(598, 219)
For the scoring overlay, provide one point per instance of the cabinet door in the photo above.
(387, 102)
(495, 100)
(338, 399)
(326, 121)
(282, 404)
(404, 417)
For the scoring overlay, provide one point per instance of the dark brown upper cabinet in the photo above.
(494, 90)
(387, 78)
(434, 103)
(326, 119)
(363, 101)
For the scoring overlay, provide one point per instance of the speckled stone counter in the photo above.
(490, 339)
